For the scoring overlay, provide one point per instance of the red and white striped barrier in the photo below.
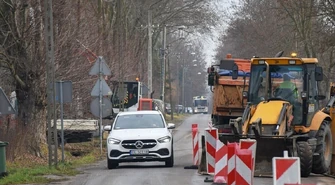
(195, 148)
(195, 142)
(232, 147)
(286, 170)
(250, 144)
(211, 135)
(302, 184)
(221, 163)
(244, 167)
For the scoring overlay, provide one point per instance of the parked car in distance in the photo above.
(189, 110)
(168, 108)
(179, 109)
(139, 136)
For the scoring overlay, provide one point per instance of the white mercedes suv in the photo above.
(139, 136)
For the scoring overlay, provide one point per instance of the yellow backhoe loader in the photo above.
(284, 112)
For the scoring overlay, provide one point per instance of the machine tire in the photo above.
(170, 161)
(112, 164)
(305, 152)
(321, 162)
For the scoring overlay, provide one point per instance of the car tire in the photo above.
(112, 164)
(170, 161)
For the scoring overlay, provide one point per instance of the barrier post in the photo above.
(232, 147)
(286, 170)
(244, 169)
(221, 163)
(301, 184)
(250, 144)
(195, 148)
(211, 135)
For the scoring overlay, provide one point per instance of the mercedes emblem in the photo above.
(138, 144)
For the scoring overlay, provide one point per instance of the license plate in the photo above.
(139, 152)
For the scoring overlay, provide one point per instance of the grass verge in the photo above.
(176, 118)
(35, 170)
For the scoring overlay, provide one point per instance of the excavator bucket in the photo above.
(267, 148)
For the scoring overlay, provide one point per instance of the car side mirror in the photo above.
(107, 128)
(171, 126)
(235, 72)
(211, 79)
(318, 73)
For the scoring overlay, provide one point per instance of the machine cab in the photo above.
(293, 80)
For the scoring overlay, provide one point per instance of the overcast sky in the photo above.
(210, 45)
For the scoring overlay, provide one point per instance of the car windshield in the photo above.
(257, 92)
(200, 103)
(139, 121)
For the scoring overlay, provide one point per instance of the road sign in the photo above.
(106, 107)
(286, 170)
(5, 105)
(105, 90)
(63, 95)
(67, 91)
(100, 65)
(101, 107)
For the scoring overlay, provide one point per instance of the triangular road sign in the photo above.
(95, 70)
(105, 88)
(5, 105)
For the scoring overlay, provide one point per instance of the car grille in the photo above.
(147, 143)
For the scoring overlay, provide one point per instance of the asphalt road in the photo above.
(154, 173)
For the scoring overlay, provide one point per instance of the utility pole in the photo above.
(149, 54)
(178, 77)
(183, 85)
(120, 84)
(170, 85)
(163, 65)
(51, 86)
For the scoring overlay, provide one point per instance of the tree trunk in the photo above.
(32, 117)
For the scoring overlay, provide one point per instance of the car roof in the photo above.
(139, 112)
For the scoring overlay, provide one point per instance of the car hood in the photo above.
(128, 134)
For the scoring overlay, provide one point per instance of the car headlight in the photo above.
(164, 139)
(113, 141)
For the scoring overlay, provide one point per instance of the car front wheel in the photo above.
(170, 161)
(112, 164)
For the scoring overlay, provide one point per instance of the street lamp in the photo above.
(183, 80)
(163, 63)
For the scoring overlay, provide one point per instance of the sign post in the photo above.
(100, 89)
(64, 92)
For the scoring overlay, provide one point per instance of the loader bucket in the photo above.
(267, 148)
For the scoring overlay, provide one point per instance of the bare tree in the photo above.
(84, 29)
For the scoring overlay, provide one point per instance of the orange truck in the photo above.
(228, 102)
